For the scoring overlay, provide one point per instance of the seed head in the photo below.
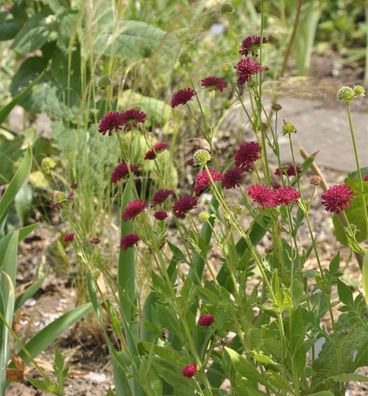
(185, 59)
(345, 94)
(201, 157)
(103, 82)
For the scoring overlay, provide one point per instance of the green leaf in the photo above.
(345, 293)
(15, 185)
(349, 377)
(28, 293)
(48, 334)
(365, 275)
(8, 27)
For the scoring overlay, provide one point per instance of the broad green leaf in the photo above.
(8, 27)
(28, 293)
(48, 334)
(345, 293)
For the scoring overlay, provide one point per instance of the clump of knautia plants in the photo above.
(245, 321)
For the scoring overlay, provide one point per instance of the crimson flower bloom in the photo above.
(289, 170)
(160, 215)
(132, 209)
(129, 240)
(336, 198)
(206, 320)
(203, 180)
(214, 83)
(157, 148)
(250, 44)
(182, 97)
(121, 171)
(247, 154)
(160, 196)
(365, 177)
(246, 68)
(189, 370)
(286, 195)
(111, 121)
(132, 117)
(183, 205)
(232, 177)
(263, 195)
(69, 237)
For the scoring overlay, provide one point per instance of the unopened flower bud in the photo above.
(227, 69)
(103, 82)
(227, 8)
(345, 94)
(185, 59)
(315, 180)
(276, 107)
(201, 157)
(59, 197)
(288, 128)
(203, 216)
(359, 90)
(95, 239)
(47, 164)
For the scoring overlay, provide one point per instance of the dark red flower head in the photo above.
(129, 240)
(263, 195)
(95, 239)
(157, 148)
(112, 121)
(203, 180)
(250, 44)
(365, 177)
(285, 195)
(247, 154)
(336, 198)
(232, 177)
(69, 237)
(246, 68)
(206, 320)
(214, 83)
(160, 196)
(132, 117)
(289, 170)
(160, 215)
(182, 96)
(183, 205)
(189, 370)
(132, 209)
(122, 170)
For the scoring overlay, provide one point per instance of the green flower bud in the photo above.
(227, 8)
(201, 157)
(185, 59)
(227, 69)
(59, 197)
(359, 90)
(47, 164)
(345, 94)
(251, 84)
(203, 216)
(103, 82)
(288, 128)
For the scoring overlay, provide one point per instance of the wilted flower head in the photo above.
(214, 83)
(183, 205)
(160, 215)
(112, 121)
(160, 196)
(206, 320)
(182, 97)
(129, 240)
(336, 198)
(203, 180)
(132, 209)
(189, 370)
(132, 117)
(232, 177)
(122, 170)
(247, 154)
(251, 44)
(315, 180)
(289, 170)
(69, 237)
(246, 68)
(157, 148)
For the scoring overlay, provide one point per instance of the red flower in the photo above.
(121, 171)
(246, 68)
(203, 180)
(214, 83)
(132, 117)
(365, 177)
(69, 237)
(336, 198)
(160, 215)
(183, 205)
(132, 209)
(286, 195)
(182, 97)
(157, 148)
(263, 195)
(112, 121)
(251, 44)
(189, 370)
(289, 170)
(232, 177)
(247, 154)
(206, 320)
(129, 240)
(95, 239)
(160, 196)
